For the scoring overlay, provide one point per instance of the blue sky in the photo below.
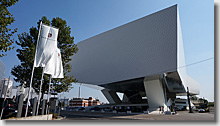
(88, 18)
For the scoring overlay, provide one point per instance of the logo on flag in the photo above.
(49, 35)
(45, 47)
(58, 54)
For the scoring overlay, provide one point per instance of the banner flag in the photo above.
(54, 66)
(45, 46)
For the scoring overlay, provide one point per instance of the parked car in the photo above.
(81, 108)
(78, 108)
(29, 113)
(107, 109)
(201, 110)
(9, 108)
(95, 108)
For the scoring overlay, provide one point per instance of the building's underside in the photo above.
(143, 59)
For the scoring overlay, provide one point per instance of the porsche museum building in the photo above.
(143, 59)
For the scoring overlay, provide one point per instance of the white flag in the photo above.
(54, 66)
(46, 44)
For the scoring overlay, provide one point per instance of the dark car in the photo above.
(9, 108)
(78, 108)
(81, 108)
(95, 109)
(29, 113)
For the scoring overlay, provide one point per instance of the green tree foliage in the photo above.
(28, 41)
(194, 97)
(6, 33)
(211, 104)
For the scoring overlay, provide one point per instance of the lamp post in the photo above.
(190, 109)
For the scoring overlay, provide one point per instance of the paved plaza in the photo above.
(180, 116)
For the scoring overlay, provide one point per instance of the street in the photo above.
(181, 115)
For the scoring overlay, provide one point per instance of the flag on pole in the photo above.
(46, 44)
(54, 66)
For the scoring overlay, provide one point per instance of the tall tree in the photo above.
(6, 33)
(28, 41)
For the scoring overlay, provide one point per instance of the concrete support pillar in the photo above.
(53, 105)
(111, 96)
(155, 93)
(43, 106)
(20, 105)
(34, 106)
(125, 98)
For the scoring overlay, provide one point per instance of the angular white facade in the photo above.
(150, 48)
(144, 47)
(6, 88)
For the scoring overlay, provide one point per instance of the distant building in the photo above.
(81, 102)
(16, 91)
(64, 102)
(92, 101)
(181, 103)
(6, 87)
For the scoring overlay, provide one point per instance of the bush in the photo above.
(55, 115)
(211, 104)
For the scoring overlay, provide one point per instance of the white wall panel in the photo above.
(187, 81)
(144, 47)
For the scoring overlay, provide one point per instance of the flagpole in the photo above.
(38, 103)
(32, 74)
(48, 97)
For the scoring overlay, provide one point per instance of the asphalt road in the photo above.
(181, 115)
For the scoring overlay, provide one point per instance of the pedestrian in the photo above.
(59, 106)
(159, 109)
(162, 109)
(128, 108)
(175, 109)
(120, 109)
(116, 108)
(48, 110)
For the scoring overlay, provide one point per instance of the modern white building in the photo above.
(5, 83)
(65, 102)
(17, 90)
(6, 88)
(143, 59)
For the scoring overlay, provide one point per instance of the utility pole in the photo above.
(190, 109)
(79, 92)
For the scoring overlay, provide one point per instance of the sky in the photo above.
(88, 18)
